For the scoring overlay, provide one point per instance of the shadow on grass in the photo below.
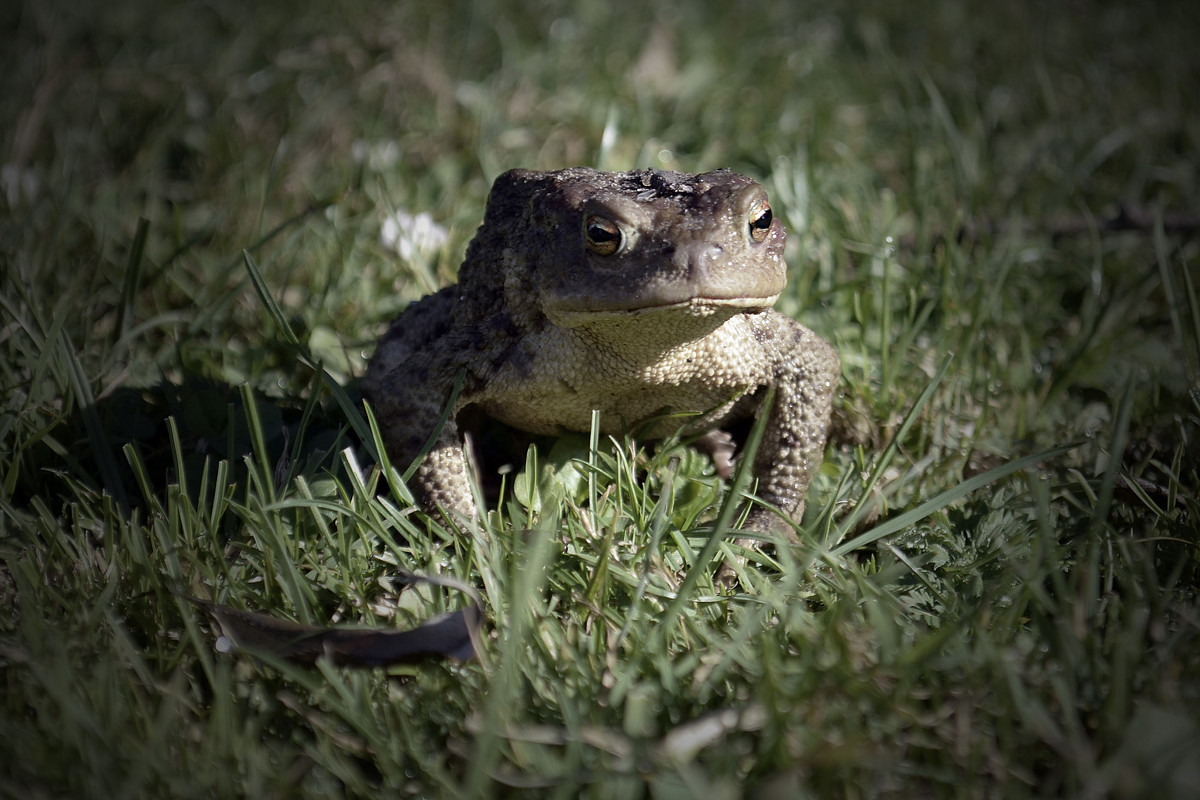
(211, 422)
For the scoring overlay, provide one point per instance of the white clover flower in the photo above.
(412, 236)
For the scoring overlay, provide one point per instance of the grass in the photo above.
(995, 594)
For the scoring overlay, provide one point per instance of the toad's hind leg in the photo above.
(408, 383)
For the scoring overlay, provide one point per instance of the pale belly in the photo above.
(560, 377)
(620, 411)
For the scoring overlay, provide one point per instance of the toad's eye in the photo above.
(760, 222)
(602, 234)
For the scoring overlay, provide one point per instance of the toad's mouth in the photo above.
(571, 316)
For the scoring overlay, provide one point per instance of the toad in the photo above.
(640, 294)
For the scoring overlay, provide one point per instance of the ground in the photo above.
(210, 211)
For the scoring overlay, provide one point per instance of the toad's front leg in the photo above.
(793, 444)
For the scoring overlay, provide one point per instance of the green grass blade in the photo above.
(101, 446)
(943, 499)
(738, 491)
(889, 452)
(1116, 452)
(133, 271)
(264, 295)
